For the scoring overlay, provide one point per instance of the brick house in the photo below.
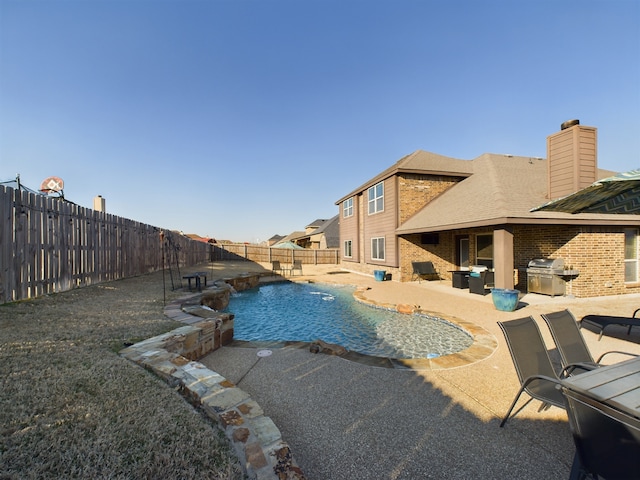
(458, 213)
(318, 235)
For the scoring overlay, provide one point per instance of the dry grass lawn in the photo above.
(71, 407)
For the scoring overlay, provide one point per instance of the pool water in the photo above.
(307, 312)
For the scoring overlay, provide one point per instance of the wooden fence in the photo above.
(48, 245)
(263, 254)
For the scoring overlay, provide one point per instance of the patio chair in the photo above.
(480, 283)
(607, 440)
(570, 342)
(532, 363)
(275, 267)
(423, 269)
(297, 265)
(603, 321)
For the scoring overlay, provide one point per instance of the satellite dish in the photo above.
(51, 185)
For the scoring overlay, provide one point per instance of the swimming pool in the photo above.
(307, 312)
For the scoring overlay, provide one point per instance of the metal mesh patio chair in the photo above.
(423, 269)
(275, 267)
(297, 265)
(532, 363)
(607, 440)
(570, 343)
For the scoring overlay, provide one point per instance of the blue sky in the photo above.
(243, 119)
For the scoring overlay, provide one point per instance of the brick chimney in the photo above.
(572, 159)
(99, 204)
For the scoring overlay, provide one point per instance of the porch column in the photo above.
(503, 258)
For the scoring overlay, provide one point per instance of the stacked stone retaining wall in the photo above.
(173, 356)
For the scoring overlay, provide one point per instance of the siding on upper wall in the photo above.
(349, 230)
(382, 224)
(572, 157)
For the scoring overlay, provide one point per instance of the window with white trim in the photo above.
(377, 248)
(375, 195)
(347, 208)
(630, 255)
(347, 249)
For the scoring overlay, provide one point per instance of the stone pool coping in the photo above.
(256, 439)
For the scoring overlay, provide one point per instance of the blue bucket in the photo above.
(379, 275)
(504, 299)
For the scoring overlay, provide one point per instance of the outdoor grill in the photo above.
(544, 276)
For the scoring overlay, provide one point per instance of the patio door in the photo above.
(462, 252)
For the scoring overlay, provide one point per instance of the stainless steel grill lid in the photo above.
(547, 264)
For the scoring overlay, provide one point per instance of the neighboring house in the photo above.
(458, 213)
(275, 239)
(292, 237)
(194, 236)
(321, 234)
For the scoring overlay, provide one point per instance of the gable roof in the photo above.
(325, 225)
(331, 231)
(276, 238)
(502, 189)
(419, 162)
(317, 223)
(293, 236)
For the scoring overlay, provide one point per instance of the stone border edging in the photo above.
(256, 439)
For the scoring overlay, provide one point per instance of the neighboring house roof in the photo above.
(331, 231)
(501, 189)
(420, 162)
(292, 237)
(317, 223)
(195, 236)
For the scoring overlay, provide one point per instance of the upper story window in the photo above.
(347, 208)
(631, 255)
(376, 198)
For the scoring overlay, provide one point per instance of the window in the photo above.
(484, 250)
(347, 249)
(377, 248)
(347, 208)
(631, 255)
(376, 198)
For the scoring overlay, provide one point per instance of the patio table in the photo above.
(604, 414)
(460, 278)
(616, 385)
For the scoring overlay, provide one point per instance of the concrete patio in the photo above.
(346, 419)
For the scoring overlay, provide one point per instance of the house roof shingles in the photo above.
(501, 189)
(419, 162)
(331, 230)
